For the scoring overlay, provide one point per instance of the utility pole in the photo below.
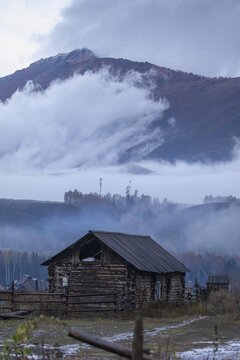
(100, 187)
(130, 186)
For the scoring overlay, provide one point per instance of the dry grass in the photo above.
(223, 302)
(218, 303)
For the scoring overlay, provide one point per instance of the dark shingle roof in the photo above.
(142, 252)
(218, 279)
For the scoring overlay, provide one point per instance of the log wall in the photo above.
(172, 287)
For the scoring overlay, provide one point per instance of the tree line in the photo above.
(203, 265)
(75, 197)
(14, 264)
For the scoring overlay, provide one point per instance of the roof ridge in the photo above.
(120, 233)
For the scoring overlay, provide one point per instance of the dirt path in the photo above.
(156, 331)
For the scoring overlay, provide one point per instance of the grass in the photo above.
(185, 338)
(221, 311)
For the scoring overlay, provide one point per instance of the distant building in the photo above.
(115, 262)
(217, 282)
(27, 283)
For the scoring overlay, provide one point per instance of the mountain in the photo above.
(203, 119)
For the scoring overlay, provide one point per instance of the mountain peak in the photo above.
(73, 56)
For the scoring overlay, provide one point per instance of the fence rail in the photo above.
(64, 302)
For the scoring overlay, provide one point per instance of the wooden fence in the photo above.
(63, 302)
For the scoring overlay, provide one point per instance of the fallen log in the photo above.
(103, 344)
(15, 315)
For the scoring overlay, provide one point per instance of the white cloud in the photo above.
(22, 23)
(88, 119)
(189, 35)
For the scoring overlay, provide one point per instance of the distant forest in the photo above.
(209, 264)
(116, 200)
(13, 265)
(220, 199)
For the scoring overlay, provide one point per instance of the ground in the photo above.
(192, 337)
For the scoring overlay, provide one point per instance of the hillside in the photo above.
(201, 123)
(49, 226)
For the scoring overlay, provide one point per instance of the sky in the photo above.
(190, 35)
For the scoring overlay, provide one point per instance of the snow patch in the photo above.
(228, 351)
(154, 332)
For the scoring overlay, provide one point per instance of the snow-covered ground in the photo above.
(228, 351)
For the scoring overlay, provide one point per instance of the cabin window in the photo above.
(90, 252)
(158, 288)
(64, 281)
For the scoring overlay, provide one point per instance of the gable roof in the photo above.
(142, 252)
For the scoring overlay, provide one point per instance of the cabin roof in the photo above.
(218, 279)
(142, 252)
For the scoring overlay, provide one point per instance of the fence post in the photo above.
(67, 298)
(115, 296)
(137, 347)
(12, 296)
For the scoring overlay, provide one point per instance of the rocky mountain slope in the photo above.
(203, 119)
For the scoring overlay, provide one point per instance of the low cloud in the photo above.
(85, 120)
(215, 232)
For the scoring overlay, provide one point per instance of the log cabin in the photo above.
(103, 262)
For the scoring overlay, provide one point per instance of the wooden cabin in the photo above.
(217, 282)
(103, 262)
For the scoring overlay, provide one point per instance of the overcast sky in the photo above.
(191, 35)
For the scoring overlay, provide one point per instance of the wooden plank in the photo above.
(15, 315)
(12, 295)
(91, 310)
(38, 301)
(93, 294)
(92, 302)
(36, 294)
(5, 308)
